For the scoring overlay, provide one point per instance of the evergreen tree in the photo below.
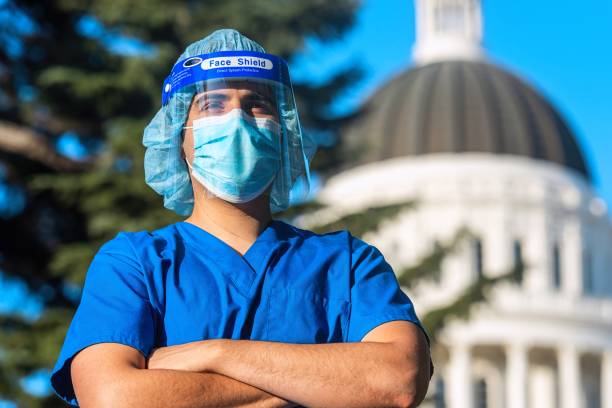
(93, 70)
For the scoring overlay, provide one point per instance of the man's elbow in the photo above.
(107, 392)
(120, 392)
(405, 400)
(413, 387)
(103, 375)
(410, 398)
(101, 399)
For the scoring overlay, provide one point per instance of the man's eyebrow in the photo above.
(211, 95)
(254, 95)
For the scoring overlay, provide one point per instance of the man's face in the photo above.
(255, 99)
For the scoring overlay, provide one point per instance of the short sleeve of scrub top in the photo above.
(114, 308)
(376, 296)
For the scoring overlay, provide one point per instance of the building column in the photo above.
(516, 376)
(569, 377)
(543, 387)
(537, 243)
(571, 258)
(606, 379)
(459, 377)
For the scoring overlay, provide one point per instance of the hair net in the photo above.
(165, 169)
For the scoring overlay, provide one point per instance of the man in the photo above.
(231, 307)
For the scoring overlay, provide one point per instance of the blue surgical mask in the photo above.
(236, 156)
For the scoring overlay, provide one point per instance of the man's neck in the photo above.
(238, 225)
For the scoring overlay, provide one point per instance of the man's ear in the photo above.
(183, 145)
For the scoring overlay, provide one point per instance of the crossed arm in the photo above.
(388, 368)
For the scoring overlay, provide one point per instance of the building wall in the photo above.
(501, 199)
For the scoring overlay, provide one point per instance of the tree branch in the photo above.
(29, 144)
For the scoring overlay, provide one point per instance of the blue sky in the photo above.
(561, 47)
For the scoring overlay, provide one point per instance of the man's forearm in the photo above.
(363, 374)
(164, 388)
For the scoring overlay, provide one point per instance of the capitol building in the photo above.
(478, 147)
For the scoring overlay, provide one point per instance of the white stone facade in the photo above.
(546, 342)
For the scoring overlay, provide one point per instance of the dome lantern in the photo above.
(448, 29)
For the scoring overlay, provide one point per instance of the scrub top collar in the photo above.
(241, 269)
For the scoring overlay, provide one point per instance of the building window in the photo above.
(477, 254)
(588, 285)
(449, 17)
(480, 393)
(517, 261)
(556, 266)
(439, 395)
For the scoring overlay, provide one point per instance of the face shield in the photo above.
(247, 141)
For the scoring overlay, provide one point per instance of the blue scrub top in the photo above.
(180, 284)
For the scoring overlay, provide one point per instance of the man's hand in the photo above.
(194, 356)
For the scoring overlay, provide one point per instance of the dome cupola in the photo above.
(454, 101)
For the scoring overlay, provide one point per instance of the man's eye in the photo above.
(211, 105)
(262, 105)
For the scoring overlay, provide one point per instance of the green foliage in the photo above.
(363, 221)
(473, 295)
(61, 72)
(429, 267)
(31, 346)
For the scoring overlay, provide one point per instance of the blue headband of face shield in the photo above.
(225, 64)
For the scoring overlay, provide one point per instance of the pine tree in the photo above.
(94, 69)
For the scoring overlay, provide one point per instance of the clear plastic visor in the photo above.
(217, 98)
(255, 97)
